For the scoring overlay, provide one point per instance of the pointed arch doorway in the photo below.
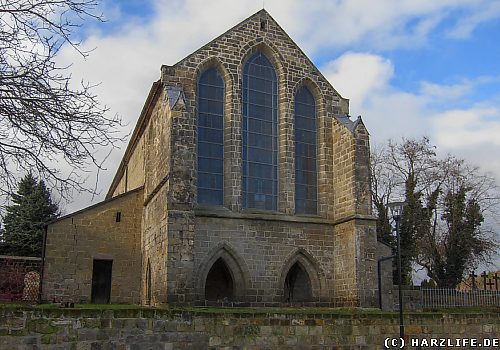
(219, 284)
(300, 278)
(222, 275)
(297, 286)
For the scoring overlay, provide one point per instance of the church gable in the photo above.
(229, 51)
(227, 55)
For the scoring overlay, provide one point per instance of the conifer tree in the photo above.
(31, 209)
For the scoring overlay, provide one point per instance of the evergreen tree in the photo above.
(462, 242)
(26, 218)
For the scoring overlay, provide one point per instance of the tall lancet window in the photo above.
(306, 177)
(210, 138)
(260, 134)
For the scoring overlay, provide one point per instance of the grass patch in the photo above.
(465, 310)
(340, 311)
(108, 307)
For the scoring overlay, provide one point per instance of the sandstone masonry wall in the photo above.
(252, 330)
(263, 250)
(73, 242)
(343, 159)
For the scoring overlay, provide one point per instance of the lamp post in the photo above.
(396, 211)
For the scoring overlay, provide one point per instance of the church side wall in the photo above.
(133, 175)
(72, 244)
(120, 188)
(135, 167)
(155, 243)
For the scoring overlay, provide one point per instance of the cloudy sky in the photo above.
(410, 68)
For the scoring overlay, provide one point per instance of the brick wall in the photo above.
(264, 249)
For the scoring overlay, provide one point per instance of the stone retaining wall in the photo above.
(228, 329)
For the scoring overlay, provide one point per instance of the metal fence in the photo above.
(449, 298)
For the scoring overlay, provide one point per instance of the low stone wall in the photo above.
(38, 328)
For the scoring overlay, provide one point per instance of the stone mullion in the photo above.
(325, 184)
(234, 161)
(286, 176)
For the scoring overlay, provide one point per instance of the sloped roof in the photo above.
(346, 120)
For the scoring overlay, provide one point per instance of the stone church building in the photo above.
(245, 182)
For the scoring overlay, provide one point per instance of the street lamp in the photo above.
(396, 212)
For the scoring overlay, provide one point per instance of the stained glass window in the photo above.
(260, 134)
(210, 138)
(306, 181)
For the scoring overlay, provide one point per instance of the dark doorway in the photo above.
(219, 283)
(101, 281)
(297, 285)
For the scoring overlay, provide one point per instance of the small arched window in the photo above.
(260, 134)
(306, 177)
(210, 138)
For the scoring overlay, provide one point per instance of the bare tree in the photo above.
(383, 182)
(457, 240)
(45, 124)
(402, 170)
(447, 201)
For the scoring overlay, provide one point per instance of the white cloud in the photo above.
(366, 80)
(358, 75)
(466, 128)
(445, 91)
(466, 25)
(470, 132)
(384, 24)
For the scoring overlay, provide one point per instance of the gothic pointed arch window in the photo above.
(260, 134)
(306, 176)
(210, 139)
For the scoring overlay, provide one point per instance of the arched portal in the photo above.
(219, 283)
(297, 284)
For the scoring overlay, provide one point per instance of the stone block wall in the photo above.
(74, 241)
(343, 179)
(228, 53)
(157, 136)
(260, 251)
(343, 171)
(249, 330)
